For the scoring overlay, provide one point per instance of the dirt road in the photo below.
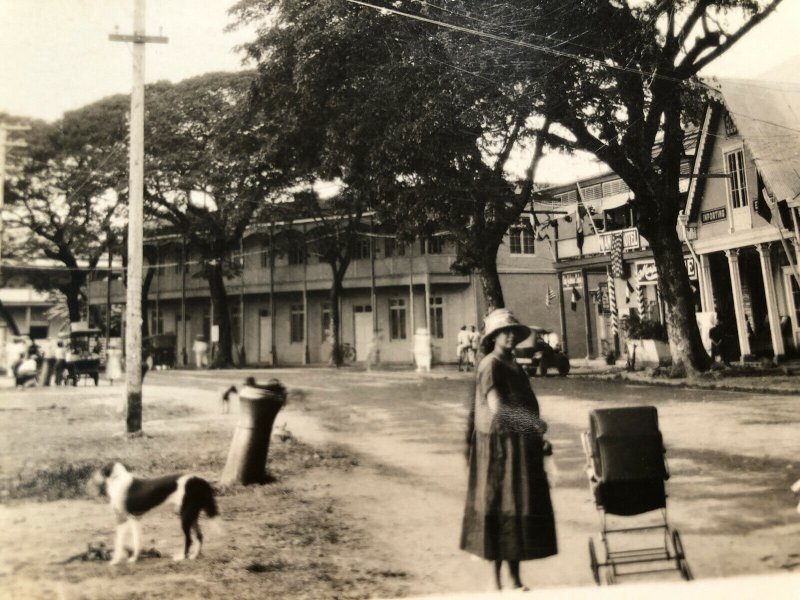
(388, 470)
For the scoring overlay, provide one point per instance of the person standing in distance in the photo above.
(508, 514)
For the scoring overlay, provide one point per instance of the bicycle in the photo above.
(348, 352)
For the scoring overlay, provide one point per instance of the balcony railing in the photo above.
(388, 271)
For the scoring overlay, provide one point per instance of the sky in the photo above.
(55, 54)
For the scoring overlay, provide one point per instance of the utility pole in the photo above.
(5, 143)
(133, 330)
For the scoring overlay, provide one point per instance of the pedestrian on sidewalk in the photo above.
(508, 514)
(462, 348)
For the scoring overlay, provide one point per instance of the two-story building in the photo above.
(584, 218)
(745, 214)
(740, 231)
(392, 287)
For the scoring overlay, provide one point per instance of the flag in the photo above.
(628, 291)
(573, 299)
(549, 297)
(579, 212)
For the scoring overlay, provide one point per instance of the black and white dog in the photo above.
(131, 497)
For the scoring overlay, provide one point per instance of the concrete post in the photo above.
(772, 301)
(247, 457)
(738, 302)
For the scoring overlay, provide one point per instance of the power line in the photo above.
(524, 44)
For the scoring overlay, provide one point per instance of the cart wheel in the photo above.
(686, 572)
(610, 579)
(677, 545)
(593, 562)
(563, 365)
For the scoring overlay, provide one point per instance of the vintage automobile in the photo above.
(162, 349)
(540, 352)
(84, 355)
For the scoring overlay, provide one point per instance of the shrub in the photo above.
(637, 328)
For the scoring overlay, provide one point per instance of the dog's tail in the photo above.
(202, 495)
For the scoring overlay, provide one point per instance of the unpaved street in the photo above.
(732, 458)
(388, 475)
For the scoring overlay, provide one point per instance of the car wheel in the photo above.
(563, 365)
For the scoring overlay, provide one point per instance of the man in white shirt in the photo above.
(463, 343)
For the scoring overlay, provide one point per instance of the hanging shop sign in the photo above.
(570, 279)
(630, 239)
(646, 271)
(715, 214)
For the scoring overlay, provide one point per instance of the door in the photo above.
(264, 337)
(363, 333)
(183, 347)
(793, 302)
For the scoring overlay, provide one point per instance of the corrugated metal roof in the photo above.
(767, 115)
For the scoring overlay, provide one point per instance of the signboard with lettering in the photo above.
(715, 214)
(570, 279)
(630, 239)
(646, 273)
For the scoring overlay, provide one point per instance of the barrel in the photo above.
(247, 457)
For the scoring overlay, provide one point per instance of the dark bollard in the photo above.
(258, 406)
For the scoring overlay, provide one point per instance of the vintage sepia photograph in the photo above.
(383, 299)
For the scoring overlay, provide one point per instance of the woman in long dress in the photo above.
(113, 362)
(508, 514)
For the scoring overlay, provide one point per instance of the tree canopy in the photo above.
(402, 114)
(70, 194)
(209, 172)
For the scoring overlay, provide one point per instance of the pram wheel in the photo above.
(593, 562)
(680, 556)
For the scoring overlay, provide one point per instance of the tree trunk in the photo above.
(490, 280)
(216, 284)
(72, 292)
(685, 343)
(337, 356)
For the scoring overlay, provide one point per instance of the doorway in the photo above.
(264, 336)
(362, 327)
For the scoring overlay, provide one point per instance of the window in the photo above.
(593, 192)
(431, 245)
(437, 316)
(520, 240)
(615, 186)
(567, 198)
(296, 324)
(264, 255)
(394, 248)
(297, 253)
(361, 249)
(737, 186)
(156, 322)
(326, 322)
(397, 319)
(359, 308)
(236, 322)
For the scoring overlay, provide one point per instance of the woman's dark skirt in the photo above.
(508, 513)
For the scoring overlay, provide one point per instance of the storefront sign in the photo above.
(630, 239)
(715, 214)
(646, 271)
(572, 279)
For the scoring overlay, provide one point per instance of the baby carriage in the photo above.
(627, 467)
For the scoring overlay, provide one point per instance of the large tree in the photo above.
(70, 194)
(622, 85)
(397, 114)
(208, 173)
